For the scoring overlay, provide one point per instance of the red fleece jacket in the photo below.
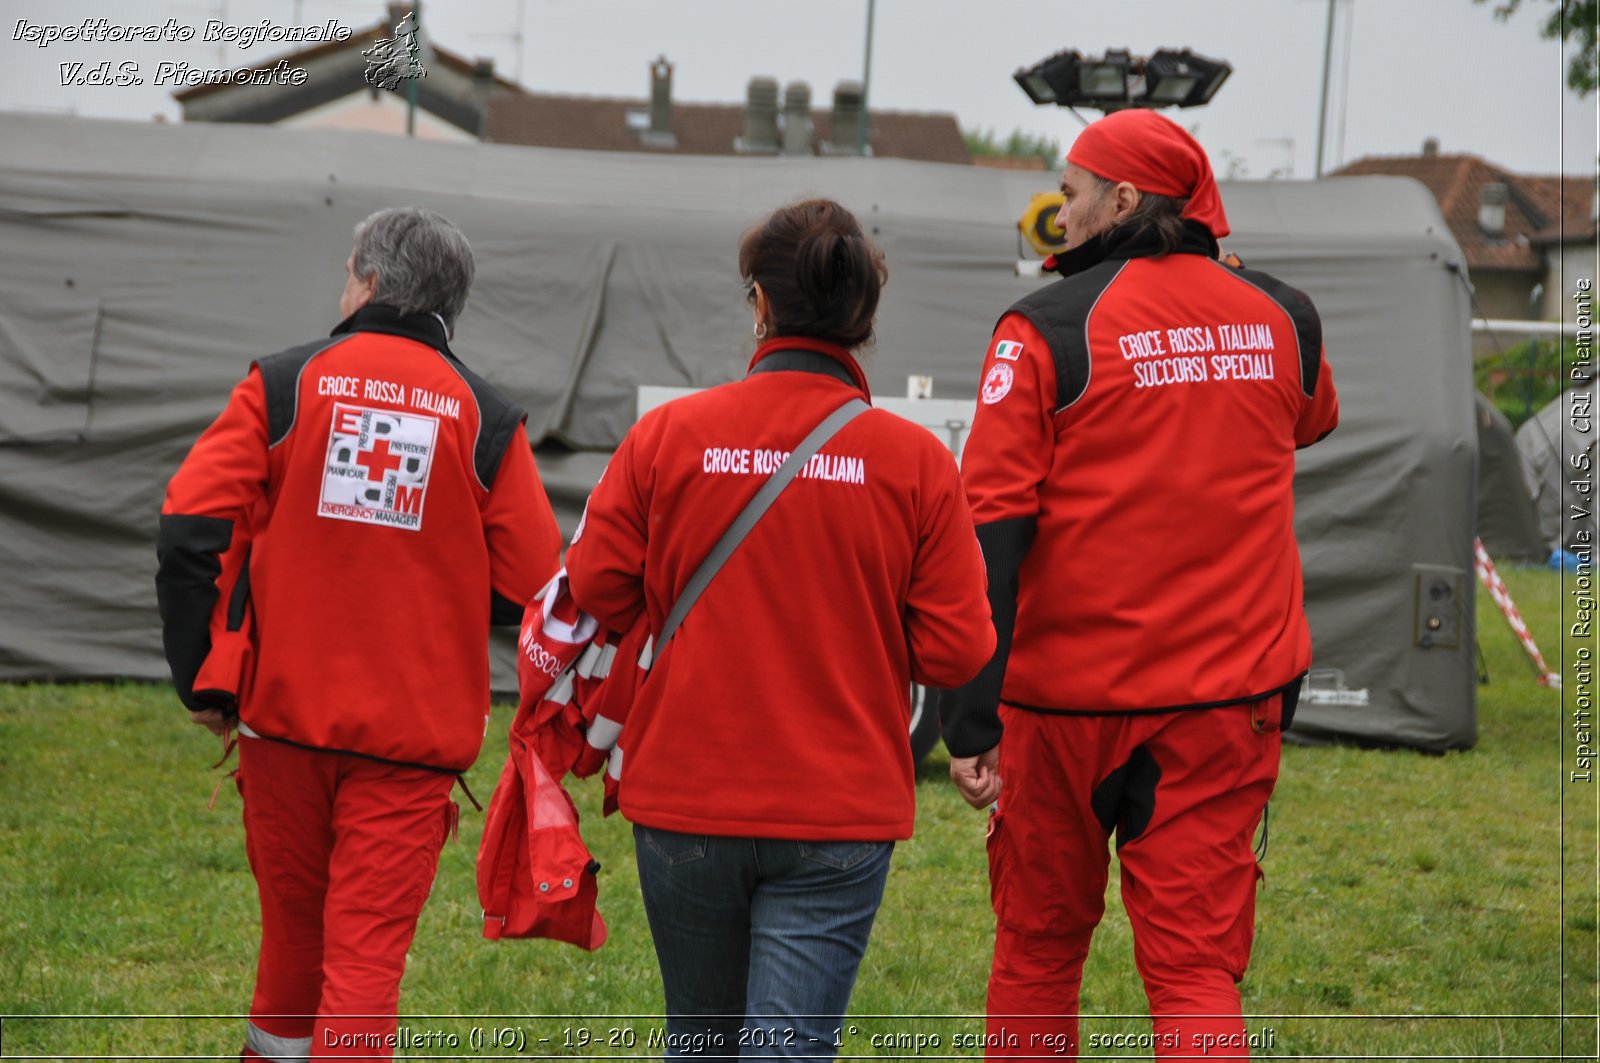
(780, 708)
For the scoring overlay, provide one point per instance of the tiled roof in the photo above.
(556, 121)
(1569, 204)
(1540, 209)
(358, 41)
(600, 124)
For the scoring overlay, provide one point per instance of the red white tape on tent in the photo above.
(1502, 597)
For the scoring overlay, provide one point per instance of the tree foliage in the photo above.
(1575, 22)
(1524, 377)
(1018, 145)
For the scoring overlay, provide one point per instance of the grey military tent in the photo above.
(147, 265)
(1508, 519)
(1556, 444)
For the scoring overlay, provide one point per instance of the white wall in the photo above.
(383, 113)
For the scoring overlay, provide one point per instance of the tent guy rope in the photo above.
(1508, 608)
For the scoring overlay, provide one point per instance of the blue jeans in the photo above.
(758, 939)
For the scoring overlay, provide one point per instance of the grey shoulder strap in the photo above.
(747, 519)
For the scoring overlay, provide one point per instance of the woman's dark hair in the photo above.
(1160, 216)
(821, 274)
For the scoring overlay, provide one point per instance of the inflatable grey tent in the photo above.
(1508, 519)
(1555, 443)
(147, 265)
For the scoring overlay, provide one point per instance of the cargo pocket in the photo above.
(444, 828)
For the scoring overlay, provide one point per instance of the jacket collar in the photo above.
(833, 354)
(1123, 243)
(376, 317)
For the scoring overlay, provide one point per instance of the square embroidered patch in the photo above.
(377, 468)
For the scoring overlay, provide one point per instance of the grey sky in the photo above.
(1416, 68)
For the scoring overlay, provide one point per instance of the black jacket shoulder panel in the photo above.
(1060, 312)
(280, 380)
(1307, 323)
(498, 416)
(498, 419)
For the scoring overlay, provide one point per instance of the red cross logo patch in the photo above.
(377, 466)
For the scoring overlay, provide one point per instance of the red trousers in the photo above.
(1183, 792)
(344, 852)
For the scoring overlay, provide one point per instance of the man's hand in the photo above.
(978, 778)
(213, 720)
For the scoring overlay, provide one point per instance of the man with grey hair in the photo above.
(332, 552)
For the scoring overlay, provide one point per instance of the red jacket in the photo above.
(335, 544)
(536, 877)
(781, 706)
(1131, 471)
(577, 680)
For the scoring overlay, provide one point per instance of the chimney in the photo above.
(847, 118)
(797, 118)
(660, 134)
(482, 89)
(1492, 199)
(661, 96)
(1430, 147)
(761, 117)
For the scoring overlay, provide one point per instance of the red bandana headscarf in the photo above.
(1154, 154)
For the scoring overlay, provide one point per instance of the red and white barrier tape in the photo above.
(1502, 597)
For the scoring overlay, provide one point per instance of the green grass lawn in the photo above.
(1414, 906)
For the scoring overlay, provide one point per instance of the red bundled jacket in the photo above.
(536, 877)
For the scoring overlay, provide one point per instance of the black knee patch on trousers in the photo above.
(1125, 800)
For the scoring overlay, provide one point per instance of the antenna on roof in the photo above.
(516, 39)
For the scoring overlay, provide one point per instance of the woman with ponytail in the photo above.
(768, 770)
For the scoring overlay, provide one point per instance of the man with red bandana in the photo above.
(1131, 473)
